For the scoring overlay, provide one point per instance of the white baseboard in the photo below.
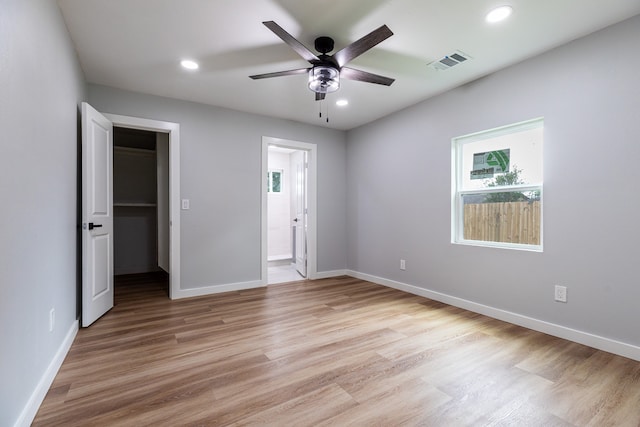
(37, 397)
(329, 274)
(595, 341)
(216, 289)
(278, 257)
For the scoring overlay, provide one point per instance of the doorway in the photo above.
(140, 206)
(167, 136)
(288, 210)
(96, 190)
(286, 214)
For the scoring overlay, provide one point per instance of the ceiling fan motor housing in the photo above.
(324, 44)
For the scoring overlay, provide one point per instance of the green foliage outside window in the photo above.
(274, 181)
(509, 178)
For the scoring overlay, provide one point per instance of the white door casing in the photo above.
(300, 221)
(97, 215)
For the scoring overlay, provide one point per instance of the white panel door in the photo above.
(300, 221)
(97, 215)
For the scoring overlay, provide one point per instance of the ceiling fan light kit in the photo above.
(326, 70)
(324, 79)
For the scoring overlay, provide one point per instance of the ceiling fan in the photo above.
(326, 70)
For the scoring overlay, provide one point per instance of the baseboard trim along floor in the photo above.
(580, 337)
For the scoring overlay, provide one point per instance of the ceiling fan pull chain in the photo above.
(320, 109)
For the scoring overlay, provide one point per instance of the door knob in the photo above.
(92, 226)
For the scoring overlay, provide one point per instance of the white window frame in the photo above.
(270, 173)
(457, 194)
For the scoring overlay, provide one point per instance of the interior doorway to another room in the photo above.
(283, 183)
(140, 206)
(288, 211)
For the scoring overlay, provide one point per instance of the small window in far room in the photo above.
(497, 187)
(274, 181)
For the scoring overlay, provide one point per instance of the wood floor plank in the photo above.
(338, 351)
(309, 409)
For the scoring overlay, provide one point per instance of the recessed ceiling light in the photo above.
(342, 102)
(189, 65)
(499, 14)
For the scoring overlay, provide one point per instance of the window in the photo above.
(497, 187)
(274, 181)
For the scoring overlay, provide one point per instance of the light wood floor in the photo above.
(330, 352)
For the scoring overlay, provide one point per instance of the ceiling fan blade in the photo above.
(280, 73)
(320, 96)
(291, 41)
(362, 45)
(363, 76)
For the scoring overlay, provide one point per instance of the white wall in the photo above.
(221, 174)
(41, 86)
(399, 189)
(279, 209)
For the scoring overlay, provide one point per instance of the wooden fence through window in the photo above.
(507, 222)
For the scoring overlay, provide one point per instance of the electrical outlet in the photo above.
(561, 293)
(52, 319)
(403, 264)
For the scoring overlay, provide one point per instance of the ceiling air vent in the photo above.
(449, 61)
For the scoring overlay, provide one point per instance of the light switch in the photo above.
(185, 204)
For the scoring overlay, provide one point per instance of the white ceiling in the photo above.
(137, 45)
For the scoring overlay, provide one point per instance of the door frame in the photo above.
(312, 155)
(173, 129)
